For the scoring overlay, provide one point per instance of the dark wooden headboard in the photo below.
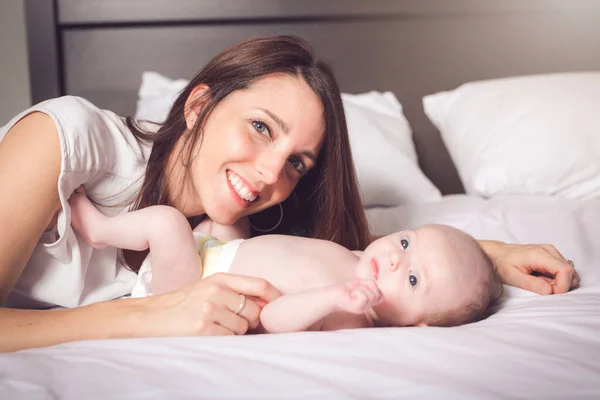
(98, 49)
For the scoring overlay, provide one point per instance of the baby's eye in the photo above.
(405, 243)
(261, 128)
(413, 279)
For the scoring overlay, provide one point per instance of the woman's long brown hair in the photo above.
(326, 203)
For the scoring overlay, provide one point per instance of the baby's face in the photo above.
(420, 272)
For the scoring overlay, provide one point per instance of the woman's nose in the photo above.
(270, 166)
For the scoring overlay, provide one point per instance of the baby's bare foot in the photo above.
(86, 219)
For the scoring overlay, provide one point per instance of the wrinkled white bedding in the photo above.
(534, 347)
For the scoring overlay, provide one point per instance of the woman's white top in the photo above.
(99, 152)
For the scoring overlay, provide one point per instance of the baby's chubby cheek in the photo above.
(362, 269)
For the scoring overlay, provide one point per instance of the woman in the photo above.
(261, 128)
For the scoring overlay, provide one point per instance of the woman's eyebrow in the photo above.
(275, 118)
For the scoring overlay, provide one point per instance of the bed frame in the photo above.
(98, 49)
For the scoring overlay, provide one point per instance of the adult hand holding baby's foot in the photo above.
(359, 295)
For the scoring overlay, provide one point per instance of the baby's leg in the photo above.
(175, 261)
(174, 257)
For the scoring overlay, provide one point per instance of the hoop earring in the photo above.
(276, 225)
(191, 160)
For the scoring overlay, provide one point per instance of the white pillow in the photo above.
(380, 137)
(156, 96)
(536, 134)
(384, 153)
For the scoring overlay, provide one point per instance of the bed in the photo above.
(533, 347)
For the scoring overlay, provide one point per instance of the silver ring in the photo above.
(241, 306)
(571, 263)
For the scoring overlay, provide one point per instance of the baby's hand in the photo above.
(359, 295)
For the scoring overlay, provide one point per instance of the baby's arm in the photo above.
(163, 229)
(300, 311)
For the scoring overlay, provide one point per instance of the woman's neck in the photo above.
(182, 193)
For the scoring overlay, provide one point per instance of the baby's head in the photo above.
(434, 275)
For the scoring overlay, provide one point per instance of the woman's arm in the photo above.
(205, 308)
(24, 329)
(29, 170)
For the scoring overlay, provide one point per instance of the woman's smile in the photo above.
(241, 192)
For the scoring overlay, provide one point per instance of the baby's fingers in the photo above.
(368, 294)
(372, 289)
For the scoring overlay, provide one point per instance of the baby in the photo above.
(433, 275)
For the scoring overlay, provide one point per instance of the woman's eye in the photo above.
(298, 165)
(405, 243)
(412, 278)
(261, 128)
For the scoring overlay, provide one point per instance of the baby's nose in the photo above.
(395, 260)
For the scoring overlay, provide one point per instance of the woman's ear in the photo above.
(194, 103)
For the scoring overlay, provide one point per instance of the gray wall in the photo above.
(14, 74)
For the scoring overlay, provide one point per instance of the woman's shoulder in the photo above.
(92, 137)
(74, 115)
(77, 114)
(97, 147)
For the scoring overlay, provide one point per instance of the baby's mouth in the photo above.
(375, 268)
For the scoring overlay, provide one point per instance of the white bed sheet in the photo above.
(534, 347)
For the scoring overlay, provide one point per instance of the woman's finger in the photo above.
(227, 299)
(232, 322)
(545, 263)
(251, 312)
(516, 277)
(221, 296)
(247, 308)
(247, 285)
(216, 329)
(563, 273)
(575, 281)
(220, 308)
(231, 310)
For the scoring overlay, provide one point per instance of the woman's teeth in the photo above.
(240, 188)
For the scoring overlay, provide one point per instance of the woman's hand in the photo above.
(207, 307)
(537, 268)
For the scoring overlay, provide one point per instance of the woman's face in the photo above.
(257, 144)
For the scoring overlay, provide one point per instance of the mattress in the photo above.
(533, 347)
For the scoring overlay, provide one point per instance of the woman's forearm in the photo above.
(23, 329)
(491, 248)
